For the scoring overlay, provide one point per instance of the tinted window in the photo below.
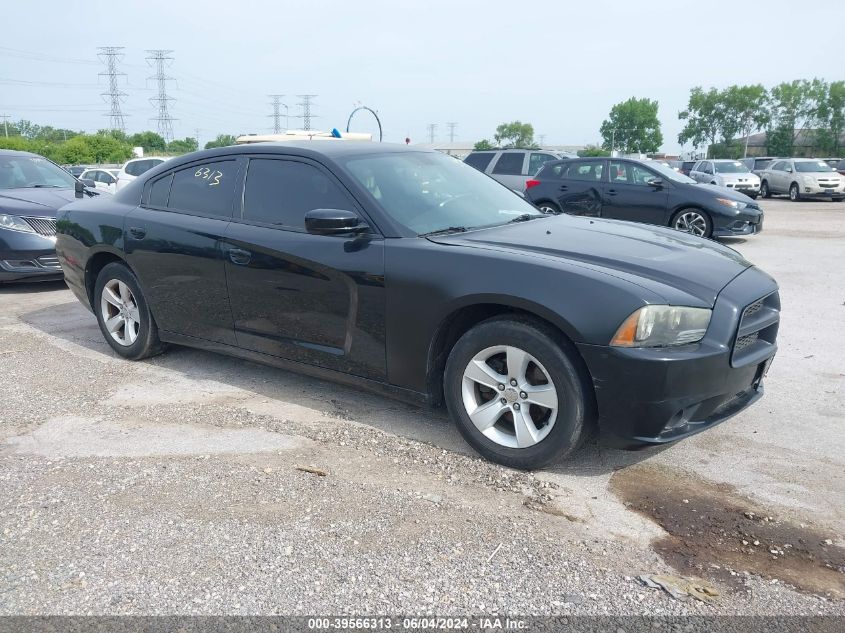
(551, 171)
(762, 163)
(479, 160)
(536, 162)
(584, 170)
(282, 192)
(140, 166)
(160, 191)
(510, 163)
(630, 173)
(205, 188)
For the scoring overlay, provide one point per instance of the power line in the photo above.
(432, 131)
(161, 58)
(277, 113)
(451, 125)
(306, 110)
(110, 55)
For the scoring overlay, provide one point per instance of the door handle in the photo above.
(137, 232)
(611, 192)
(239, 256)
(563, 187)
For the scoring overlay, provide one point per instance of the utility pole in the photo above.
(542, 139)
(306, 110)
(197, 137)
(6, 123)
(161, 58)
(451, 125)
(277, 114)
(110, 55)
(432, 129)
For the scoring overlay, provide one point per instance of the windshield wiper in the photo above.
(525, 217)
(450, 229)
(42, 187)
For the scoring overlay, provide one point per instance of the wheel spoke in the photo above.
(487, 414)
(130, 331)
(526, 431)
(480, 372)
(133, 314)
(125, 294)
(518, 364)
(114, 323)
(543, 395)
(110, 296)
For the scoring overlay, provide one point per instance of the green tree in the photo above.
(831, 117)
(222, 140)
(150, 141)
(483, 144)
(744, 109)
(703, 118)
(632, 126)
(515, 134)
(182, 146)
(593, 150)
(795, 107)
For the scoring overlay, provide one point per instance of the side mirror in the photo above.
(79, 189)
(789, 170)
(88, 183)
(333, 222)
(657, 183)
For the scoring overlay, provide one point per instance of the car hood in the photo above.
(666, 261)
(42, 202)
(737, 177)
(730, 194)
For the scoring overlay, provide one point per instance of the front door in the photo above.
(630, 195)
(317, 299)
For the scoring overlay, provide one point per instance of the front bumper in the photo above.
(658, 395)
(742, 225)
(28, 257)
(821, 191)
(748, 188)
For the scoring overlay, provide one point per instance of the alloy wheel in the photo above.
(691, 222)
(119, 310)
(793, 193)
(509, 396)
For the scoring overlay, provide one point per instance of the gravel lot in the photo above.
(175, 485)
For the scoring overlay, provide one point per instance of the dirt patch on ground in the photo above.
(714, 531)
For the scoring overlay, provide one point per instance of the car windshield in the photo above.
(812, 165)
(22, 172)
(670, 174)
(430, 192)
(732, 167)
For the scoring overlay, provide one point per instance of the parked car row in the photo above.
(801, 178)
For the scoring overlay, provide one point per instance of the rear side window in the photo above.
(479, 160)
(586, 170)
(205, 188)
(551, 171)
(537, 160)
(281, 192)
(510, 164)
(160, 191)
(139, 167)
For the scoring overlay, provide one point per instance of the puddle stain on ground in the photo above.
(712, 530)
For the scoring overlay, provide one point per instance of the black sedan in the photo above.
(407, 272)
(31, 190)
(643, 191)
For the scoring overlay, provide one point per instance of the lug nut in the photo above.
(516, 406)
(503, 401)
(513, 382)
(501, 387)
(523, 395)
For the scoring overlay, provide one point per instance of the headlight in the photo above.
(14, 223)
(733, 204)
(661, 326)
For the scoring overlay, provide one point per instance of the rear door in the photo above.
(509, 169)
(579, 190)
(173, 244)
(317, 299)
(630, 195)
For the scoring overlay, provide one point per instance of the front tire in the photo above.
(515, 391)
(123, 314)
(692, 221)
(794, 193)
(764, 190)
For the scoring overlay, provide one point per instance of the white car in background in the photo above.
(104, 179)
(732, 174)
(134, 168)
(803, 178)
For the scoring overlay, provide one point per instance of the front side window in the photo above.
(707, 168)
(510, 164)
(779, 166)
(427, 192)
(281, 192)
(206, 188)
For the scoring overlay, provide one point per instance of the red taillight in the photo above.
(531, 183)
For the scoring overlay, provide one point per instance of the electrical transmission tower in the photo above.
(306, 110)
(161, 58)
(277, 114)
(451, 125)
(432, 130)
(110, 55)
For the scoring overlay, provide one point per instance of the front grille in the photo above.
(757, 331)
(49, 261)
(42, 226)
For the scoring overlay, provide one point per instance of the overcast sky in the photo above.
(558, 65)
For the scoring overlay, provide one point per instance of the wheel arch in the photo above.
(95, 264)
(464, 317)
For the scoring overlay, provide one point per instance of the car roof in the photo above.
(14, 152)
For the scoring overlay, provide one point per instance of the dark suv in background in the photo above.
(642, 191)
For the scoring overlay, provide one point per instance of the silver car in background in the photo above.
(802, 178)
(512, 167)
(732, 174)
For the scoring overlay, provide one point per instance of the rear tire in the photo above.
(549, 208)
(123, 314)
(541, 418)
(764, 190)
(794, 192)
